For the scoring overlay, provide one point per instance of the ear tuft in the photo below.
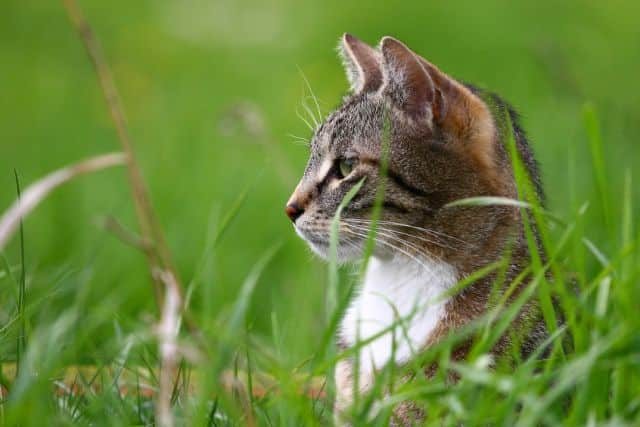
(362, 64)
(406, 81)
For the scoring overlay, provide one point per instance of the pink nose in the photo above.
(293, 211)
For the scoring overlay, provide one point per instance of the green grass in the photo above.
(211, 92)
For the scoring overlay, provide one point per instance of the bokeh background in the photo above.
(212, 90)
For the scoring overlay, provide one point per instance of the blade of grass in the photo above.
(242, 303)
(21, 343)
(333, 248)
(622, 374)
(592, 127)
(535, 233)
(488, 201)
(230, 216)
(227, 339)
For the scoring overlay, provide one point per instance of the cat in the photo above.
(446, 141)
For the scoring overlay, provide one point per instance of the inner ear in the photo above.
(407, 83)
(362, 64)
(448, 92)
(463, 117)
(457, 109)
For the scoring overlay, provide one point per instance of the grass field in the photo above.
(212, 91)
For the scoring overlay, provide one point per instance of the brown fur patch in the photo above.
(467, 122)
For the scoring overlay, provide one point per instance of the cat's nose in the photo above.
(293, 211)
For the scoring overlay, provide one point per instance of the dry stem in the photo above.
(168, 347)
(159, 256)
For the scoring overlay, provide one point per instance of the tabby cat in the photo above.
(446, 141)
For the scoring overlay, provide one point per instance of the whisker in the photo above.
(309, 112)
(392, 246)
(425, 230)
(429, 231)
(313, 95)
(395, 238)
(299, 139)
(421, 238)
(304, 120)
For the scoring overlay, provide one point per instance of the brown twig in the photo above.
(159, 256)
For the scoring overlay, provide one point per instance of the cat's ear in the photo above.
(362, 64)
(461, 114)
(423, 91)
(462, 117)
(407, 83)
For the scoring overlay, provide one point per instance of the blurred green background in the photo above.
(211, 90)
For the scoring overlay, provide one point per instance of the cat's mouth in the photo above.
(315, 238)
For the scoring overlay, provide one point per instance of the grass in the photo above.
(84, 304)
(21, 342)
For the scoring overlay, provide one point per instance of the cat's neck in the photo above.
(403, 296)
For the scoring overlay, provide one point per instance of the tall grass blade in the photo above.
(332, 294)
(22, 333)
(229, 217)
(592, 127)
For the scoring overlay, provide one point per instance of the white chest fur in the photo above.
(399, 291)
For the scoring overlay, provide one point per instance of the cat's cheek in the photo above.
(299, 233)
(319, 249)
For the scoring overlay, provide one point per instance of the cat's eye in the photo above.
(345, 166)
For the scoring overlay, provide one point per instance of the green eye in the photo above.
(346, 166)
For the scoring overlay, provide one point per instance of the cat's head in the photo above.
(442, 146)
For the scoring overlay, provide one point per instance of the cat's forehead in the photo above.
(357, 121)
